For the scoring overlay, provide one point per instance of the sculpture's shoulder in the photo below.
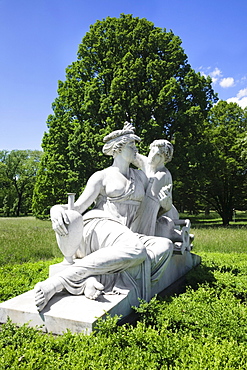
(108, 173)
(96, 177)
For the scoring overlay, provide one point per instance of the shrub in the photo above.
(203, 328)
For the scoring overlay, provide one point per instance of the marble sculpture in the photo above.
(126, 241)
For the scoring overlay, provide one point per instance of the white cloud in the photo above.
(216, 73)
(242, 93)
(240, 98)
(241, 102)
(227, 82)
(205, 71)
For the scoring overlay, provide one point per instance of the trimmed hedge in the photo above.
(203, 328)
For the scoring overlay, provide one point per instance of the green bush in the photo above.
(203, 328)
(17, 279)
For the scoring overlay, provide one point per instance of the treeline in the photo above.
(18, 170)
(128, 69)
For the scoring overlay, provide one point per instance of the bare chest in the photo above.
(115, 184)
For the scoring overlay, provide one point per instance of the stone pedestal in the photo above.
(79, 314)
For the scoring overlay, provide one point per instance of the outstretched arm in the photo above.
(90, 193)
(140, 161)
(58, 213)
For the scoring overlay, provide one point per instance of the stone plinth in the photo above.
(64, 311)
(79, 314)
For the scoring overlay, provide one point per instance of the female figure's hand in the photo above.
(59, 220)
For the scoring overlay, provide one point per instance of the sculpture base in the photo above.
(79, 314)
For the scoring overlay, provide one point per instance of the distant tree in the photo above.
(5, 186)
(127, 69)
(223, 172)
(18, 170)
(243, 144)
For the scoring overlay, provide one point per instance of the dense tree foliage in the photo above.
(127, 69)
(18, 170)
(223, 170)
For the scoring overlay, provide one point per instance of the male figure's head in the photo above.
(161, 152)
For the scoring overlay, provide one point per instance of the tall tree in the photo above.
(127, 69)
(18, 170)
(223, 183)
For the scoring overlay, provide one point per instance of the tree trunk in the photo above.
(18, 208)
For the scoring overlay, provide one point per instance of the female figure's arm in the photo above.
(140, 161)
(92, 190)
(58, 214)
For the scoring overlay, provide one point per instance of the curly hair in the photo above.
(116, 140)
(165, 148)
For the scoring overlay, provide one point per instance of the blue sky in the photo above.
(40, 38)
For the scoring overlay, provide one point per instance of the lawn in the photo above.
(26, 239)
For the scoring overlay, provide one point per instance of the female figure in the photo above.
(111, 251)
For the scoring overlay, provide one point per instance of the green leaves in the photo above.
(203, 328)
(18, 170)
(127, 69)
(227, 124)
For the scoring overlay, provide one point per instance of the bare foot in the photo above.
(44, 291)
(93, 288)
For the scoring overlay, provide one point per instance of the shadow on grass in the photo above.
(198, 275)
(194, 279)
(216, 224)
(201, 274)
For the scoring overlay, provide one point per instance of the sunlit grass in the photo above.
(26, 239)
(223, 240)
(211, 236)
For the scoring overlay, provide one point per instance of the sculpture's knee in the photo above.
(142, 251)
(134, 251)
(159, 251)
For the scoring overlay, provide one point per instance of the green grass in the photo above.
(203, 328)
(28, 246)
(211, 236)
(26, 239)
(218, 239)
